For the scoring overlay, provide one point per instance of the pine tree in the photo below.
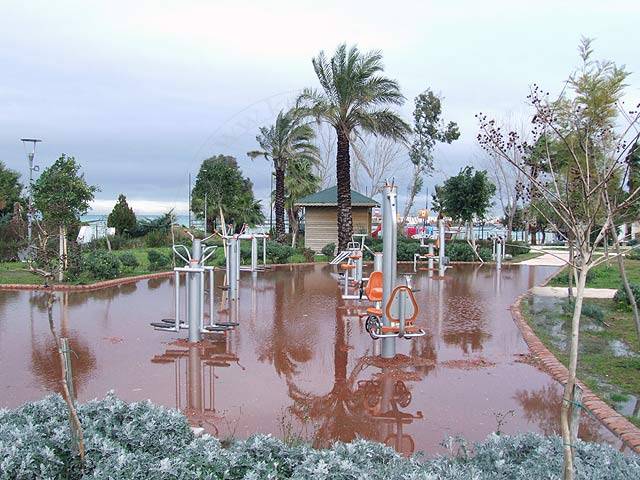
(122, 217)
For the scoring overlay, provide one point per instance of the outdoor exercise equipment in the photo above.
(194, 272)
(396, 315)
(351, 263)
(254, 237)
(440, 244)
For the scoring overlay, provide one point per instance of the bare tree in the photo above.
(509, 181)
(325, 169)
(576, 157)
(376, 159)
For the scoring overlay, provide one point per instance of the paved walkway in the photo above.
(562, 292)
(552, 258)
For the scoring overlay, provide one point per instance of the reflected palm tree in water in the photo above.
(45, 361)
(287, 343)
(365, 408)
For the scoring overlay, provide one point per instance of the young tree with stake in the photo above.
(575, 186)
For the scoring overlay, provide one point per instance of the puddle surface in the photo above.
(301, 363)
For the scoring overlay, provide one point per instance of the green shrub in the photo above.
(308, 254)
(158, 260)
(102, 265)
(329, 249)
(486, 254)
(129, 261)
(157, 238)
(633, 254)
(514, 248)
(144, 441)
(278, 253)
(460, 252)
(593, 311)
(407, 248)
(75, 262)
(621, 294)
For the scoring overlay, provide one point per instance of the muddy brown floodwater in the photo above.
(300, 363)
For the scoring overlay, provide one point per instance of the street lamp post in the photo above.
(32, 169)
(205, 214)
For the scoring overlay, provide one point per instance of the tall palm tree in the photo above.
(288, 140)
(355, 96)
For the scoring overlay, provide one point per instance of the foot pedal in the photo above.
(162, 325)
(215, 328)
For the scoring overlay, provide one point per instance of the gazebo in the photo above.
(321, 216)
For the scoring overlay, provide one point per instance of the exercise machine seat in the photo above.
(373, 290)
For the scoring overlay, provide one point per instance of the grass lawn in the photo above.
(524, 256)
(603, 276)
(17, 273)
(609, 355)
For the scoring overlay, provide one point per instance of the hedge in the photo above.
(145, 441)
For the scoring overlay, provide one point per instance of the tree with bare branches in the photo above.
(585, 125)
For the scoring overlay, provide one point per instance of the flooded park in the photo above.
(300, 363)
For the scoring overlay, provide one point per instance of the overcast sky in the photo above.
(140, 92)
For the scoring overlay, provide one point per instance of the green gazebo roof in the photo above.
(329, 198)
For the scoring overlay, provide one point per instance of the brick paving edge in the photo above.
(615, 422)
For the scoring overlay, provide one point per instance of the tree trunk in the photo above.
(567, 398)
(510, 224)
(281, 234)
(413, 191)
(343, 176)
(61, 254)
(294, 226)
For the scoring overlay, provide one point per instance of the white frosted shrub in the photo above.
(145, 441)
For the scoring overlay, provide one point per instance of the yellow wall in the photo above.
(321, 225)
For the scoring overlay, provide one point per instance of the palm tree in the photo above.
(289, 140)
(354, 97)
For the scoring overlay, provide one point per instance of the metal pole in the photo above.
(211, 299)
(32, 169)
(264, 251)
(189, 206)
(205, 214)
(359, 263)
(232, 270)
(254, 254)
(430, 261)
(499, 255)
(195, 293)
(441, 252)
(389, 260)
(377, 262)
(176, 286)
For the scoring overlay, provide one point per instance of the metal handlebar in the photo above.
(207, 252)
(175, 250)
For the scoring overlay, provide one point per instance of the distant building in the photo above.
(321, 216)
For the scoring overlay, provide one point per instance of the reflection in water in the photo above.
(194, 366)
(366, 408)
(542, 407)
(45, 362)
(303, 350)
(285, 343)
